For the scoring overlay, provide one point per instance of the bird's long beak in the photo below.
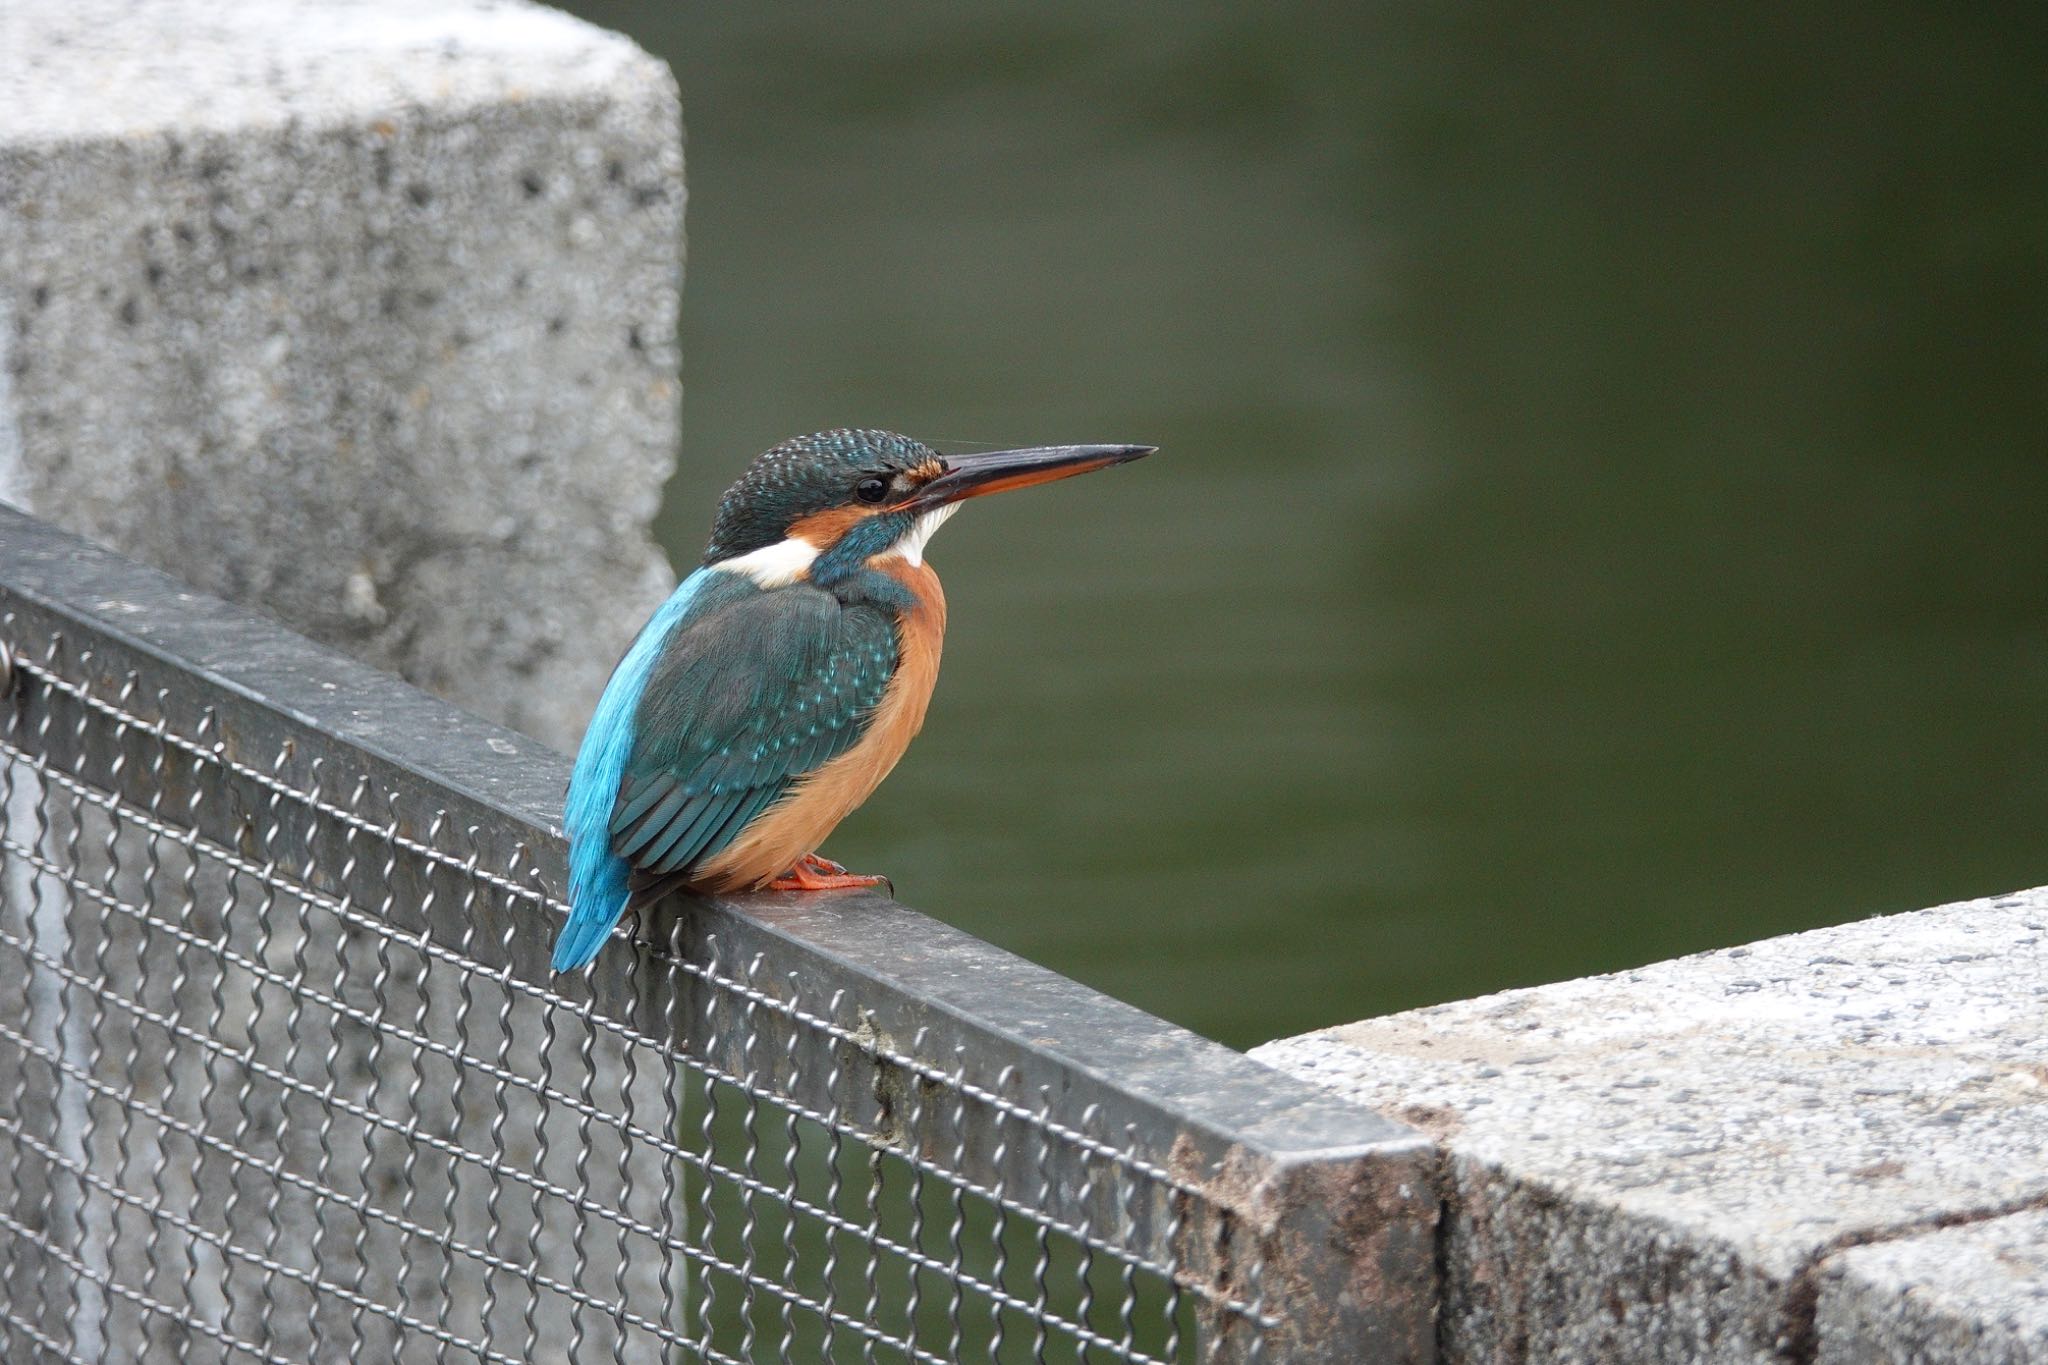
(970, 476)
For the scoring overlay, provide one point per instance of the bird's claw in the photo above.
(812, 873)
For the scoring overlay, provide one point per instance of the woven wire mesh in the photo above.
(243, 1114)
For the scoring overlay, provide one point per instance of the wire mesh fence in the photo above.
(283, 1076)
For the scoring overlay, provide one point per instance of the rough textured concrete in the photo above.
(1976, 1292)
(1670, 1164)
(360, 312)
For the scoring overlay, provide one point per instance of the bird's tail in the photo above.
(598, 877)
(597, 897)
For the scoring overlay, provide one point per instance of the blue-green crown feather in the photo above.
(800, 476)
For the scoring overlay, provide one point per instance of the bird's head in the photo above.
(820, 506)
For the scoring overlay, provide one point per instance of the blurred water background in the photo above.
(1605, 471)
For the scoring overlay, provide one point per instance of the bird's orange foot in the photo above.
(813, 873)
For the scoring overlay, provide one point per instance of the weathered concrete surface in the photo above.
(1670, 1164)
(360, 311)
(1976, 1292)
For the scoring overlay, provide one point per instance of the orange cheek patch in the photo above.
(823, 529)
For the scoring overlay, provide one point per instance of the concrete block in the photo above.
(1977, 1292)
(1661, 1165)
(360, 312)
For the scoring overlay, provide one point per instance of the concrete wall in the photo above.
(1829, 1147)
(360, 313)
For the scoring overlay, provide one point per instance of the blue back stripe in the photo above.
(597, 876)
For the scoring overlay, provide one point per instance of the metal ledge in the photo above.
(1340, 1202)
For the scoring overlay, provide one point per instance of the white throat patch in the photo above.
(911, 546)
(787, 561)
(774, 566)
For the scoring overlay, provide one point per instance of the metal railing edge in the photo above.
(1316, 1178)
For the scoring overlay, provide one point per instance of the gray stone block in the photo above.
(1664, 1164)
(1977, 1292)
(359, 312)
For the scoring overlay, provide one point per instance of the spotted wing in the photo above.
(750, 694)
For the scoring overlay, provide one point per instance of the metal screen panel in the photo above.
(283, 1076)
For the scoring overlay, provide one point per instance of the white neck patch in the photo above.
(911, 546)
(787, 561)
(774, 566)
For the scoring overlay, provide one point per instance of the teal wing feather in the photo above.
(755, 690)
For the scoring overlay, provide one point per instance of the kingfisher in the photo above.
(782, 680)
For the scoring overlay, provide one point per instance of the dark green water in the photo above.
(1605, 476)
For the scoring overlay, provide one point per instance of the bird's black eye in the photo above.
(871, 489)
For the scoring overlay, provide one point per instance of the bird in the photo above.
(782, 680)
